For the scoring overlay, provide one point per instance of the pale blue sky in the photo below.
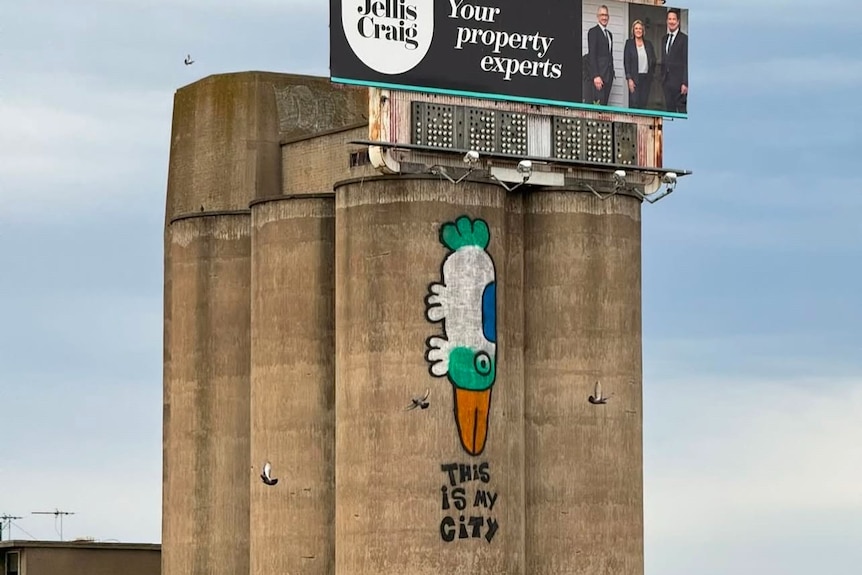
(751, 289)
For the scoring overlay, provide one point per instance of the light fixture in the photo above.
(524, 170)
(668, 179)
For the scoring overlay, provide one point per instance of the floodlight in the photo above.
(620, 176)
(669, 178)
(525, 168)
(471, 157)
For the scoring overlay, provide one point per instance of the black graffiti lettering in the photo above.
(485, 499)
(492, 529)
(476, 523)
(468, 528)
(447, 529)
(462, 529)
(481, 499)
(484, 475)
(464, 472)
(492, 498)
(454, 494)
(450, 469)
(459, 498)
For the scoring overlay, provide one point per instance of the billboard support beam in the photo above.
(584, 164)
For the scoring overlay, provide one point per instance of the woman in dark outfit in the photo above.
(639, 63)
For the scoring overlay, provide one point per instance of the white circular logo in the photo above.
(389, 36)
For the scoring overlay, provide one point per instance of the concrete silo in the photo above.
(584, 486)
(422, 279)
(310, 302)
(225, 152)
(293, 384)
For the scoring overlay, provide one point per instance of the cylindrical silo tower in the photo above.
(582, 300)
(205, 493)
(293, 384)
(225, 152)
(428, 298)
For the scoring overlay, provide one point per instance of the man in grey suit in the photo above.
(600, 46)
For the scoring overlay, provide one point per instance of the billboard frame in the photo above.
(353, 63)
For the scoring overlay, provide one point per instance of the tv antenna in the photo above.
(58, 515)
(7, 520)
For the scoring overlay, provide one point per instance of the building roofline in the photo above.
(14, 544)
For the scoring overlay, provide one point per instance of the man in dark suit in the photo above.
(600, 44)
(674, 49)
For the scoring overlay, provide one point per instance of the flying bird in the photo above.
(597, 398)
(420, 402)
(188, 61)
(266, 475)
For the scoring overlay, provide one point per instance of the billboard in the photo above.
(612, 56)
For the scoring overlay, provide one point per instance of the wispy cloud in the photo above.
(782, 75)
(68, 146)
(772, 210)
(722, 454)
(731, 15)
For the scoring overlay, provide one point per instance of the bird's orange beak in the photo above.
(471, 414)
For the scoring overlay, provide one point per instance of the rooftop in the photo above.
(77, 544)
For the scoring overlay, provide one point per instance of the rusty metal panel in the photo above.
(657, 143)
(644, 146)
(539, 136)
(625, 143)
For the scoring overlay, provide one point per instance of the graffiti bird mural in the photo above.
(465, 302)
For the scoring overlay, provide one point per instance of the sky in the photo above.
(751, 271)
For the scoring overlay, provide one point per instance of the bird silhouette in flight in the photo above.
(266, 476)
(597, 398)
(188, 61)
(420, 402)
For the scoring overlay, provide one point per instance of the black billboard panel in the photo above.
(575, 53)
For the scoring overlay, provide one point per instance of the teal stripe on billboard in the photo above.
(583, 106)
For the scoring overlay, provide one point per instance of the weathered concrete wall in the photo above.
(401, 475)
(293, 385)
(227, 129)
(583, 324)
(70, 561)
(299, 323)
(206, 398)
(225, 152)
(314, 164)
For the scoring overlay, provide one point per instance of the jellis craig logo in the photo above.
(389, 36)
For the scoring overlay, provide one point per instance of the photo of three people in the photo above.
(654, 58)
